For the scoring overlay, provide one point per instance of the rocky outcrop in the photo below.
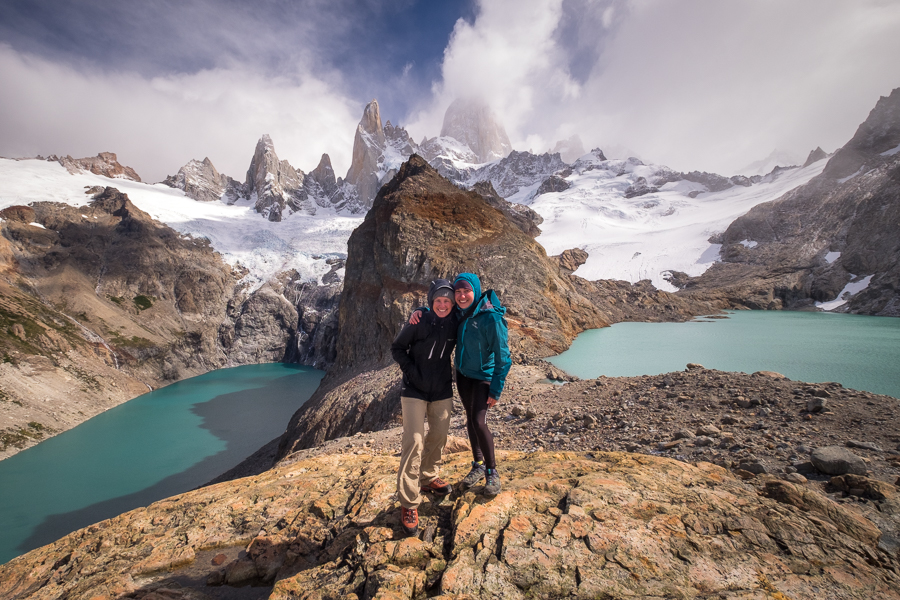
(421, 227)
(565, 525)
(518, 170)
(554, 183)
(201, 181)
(571, 259)
(641, 301)
(472, 122)
(714, 182)
(524, 217)
(105, 163)
(877, 135)
(815, 156)
(640, 187)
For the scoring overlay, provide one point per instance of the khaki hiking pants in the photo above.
(420, 454)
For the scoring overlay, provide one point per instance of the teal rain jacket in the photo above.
(482, 347)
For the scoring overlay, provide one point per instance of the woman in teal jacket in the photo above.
(482, 363)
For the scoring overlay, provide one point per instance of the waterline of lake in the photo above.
(860, 352)
(157, 445)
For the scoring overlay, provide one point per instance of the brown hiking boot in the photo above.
(409, 519)
(438, 487)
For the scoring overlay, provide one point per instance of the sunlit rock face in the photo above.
(378, 151)
(105, 163)
(368, 146)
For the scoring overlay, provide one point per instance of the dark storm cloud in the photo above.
(366, 47)
(161, 82)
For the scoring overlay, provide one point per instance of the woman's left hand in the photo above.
(491, 401)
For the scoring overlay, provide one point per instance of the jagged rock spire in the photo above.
(368, 147)
(277, 185)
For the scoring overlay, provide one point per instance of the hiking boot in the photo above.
(492, 483)
(474, 476)
(438, 487)
(409, 519)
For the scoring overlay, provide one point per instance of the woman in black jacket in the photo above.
(423, 352)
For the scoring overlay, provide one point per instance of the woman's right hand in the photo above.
(414, 318)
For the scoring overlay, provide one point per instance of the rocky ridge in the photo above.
(838, 229)
(274, 186)
(105, 163)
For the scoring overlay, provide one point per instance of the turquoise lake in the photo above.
(157, 445)
(860, 352)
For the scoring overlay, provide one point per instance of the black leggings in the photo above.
(474, 395)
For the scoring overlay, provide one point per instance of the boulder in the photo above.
(836, 460)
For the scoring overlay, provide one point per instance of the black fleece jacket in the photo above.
(423, 352)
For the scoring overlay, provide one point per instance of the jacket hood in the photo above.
(489, 303)
(472, 280)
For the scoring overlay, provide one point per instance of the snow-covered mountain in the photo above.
(629, 238)
(264, 248)
(631, 235)
(636, 221)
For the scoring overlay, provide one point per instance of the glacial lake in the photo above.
(157, 445)
(859, 352)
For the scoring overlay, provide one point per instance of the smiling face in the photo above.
(464, 297)
(442, 306)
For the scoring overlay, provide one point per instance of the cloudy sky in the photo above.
(693, 84)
